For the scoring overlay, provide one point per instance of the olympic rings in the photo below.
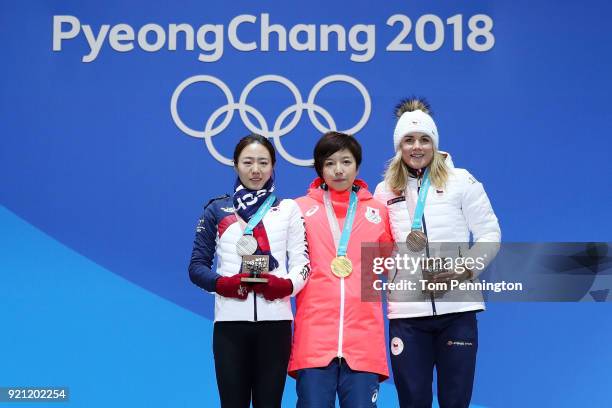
(263, 129)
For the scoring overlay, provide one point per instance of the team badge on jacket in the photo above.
(397, 346)
(373, 215)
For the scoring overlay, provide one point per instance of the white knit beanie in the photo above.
(415, 121)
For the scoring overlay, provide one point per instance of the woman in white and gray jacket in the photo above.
(434, 328)
(252, 331)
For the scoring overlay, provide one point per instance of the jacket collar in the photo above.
(316, 192)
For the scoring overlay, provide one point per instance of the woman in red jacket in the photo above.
(339, 339)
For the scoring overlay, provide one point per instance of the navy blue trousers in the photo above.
(448, 342)
(317, 387)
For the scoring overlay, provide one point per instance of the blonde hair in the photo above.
(397, 173)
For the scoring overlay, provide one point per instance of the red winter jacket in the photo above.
(332, 320)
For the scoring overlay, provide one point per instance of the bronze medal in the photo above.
(341, 266)
(416, 240)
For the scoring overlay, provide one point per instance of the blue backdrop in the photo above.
(102, 184)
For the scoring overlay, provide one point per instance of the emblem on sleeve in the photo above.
(200, 226)
(396, 200)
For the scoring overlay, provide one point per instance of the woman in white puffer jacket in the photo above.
(430, 329)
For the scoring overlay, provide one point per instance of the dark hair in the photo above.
(411, 104)
(254, 138)
(330, 143)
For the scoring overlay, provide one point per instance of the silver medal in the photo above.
(246, 245)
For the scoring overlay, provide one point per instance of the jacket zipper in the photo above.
(254, 307)
(341, 329)
(431, 295)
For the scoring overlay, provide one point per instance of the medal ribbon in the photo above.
(417, 221)
(341, 241)
(258, 216)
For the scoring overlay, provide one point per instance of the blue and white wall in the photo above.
(116, 119)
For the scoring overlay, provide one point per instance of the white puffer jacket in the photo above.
(216, 236)
(451, 213)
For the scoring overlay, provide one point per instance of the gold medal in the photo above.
(416, 240)
(341, 266)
